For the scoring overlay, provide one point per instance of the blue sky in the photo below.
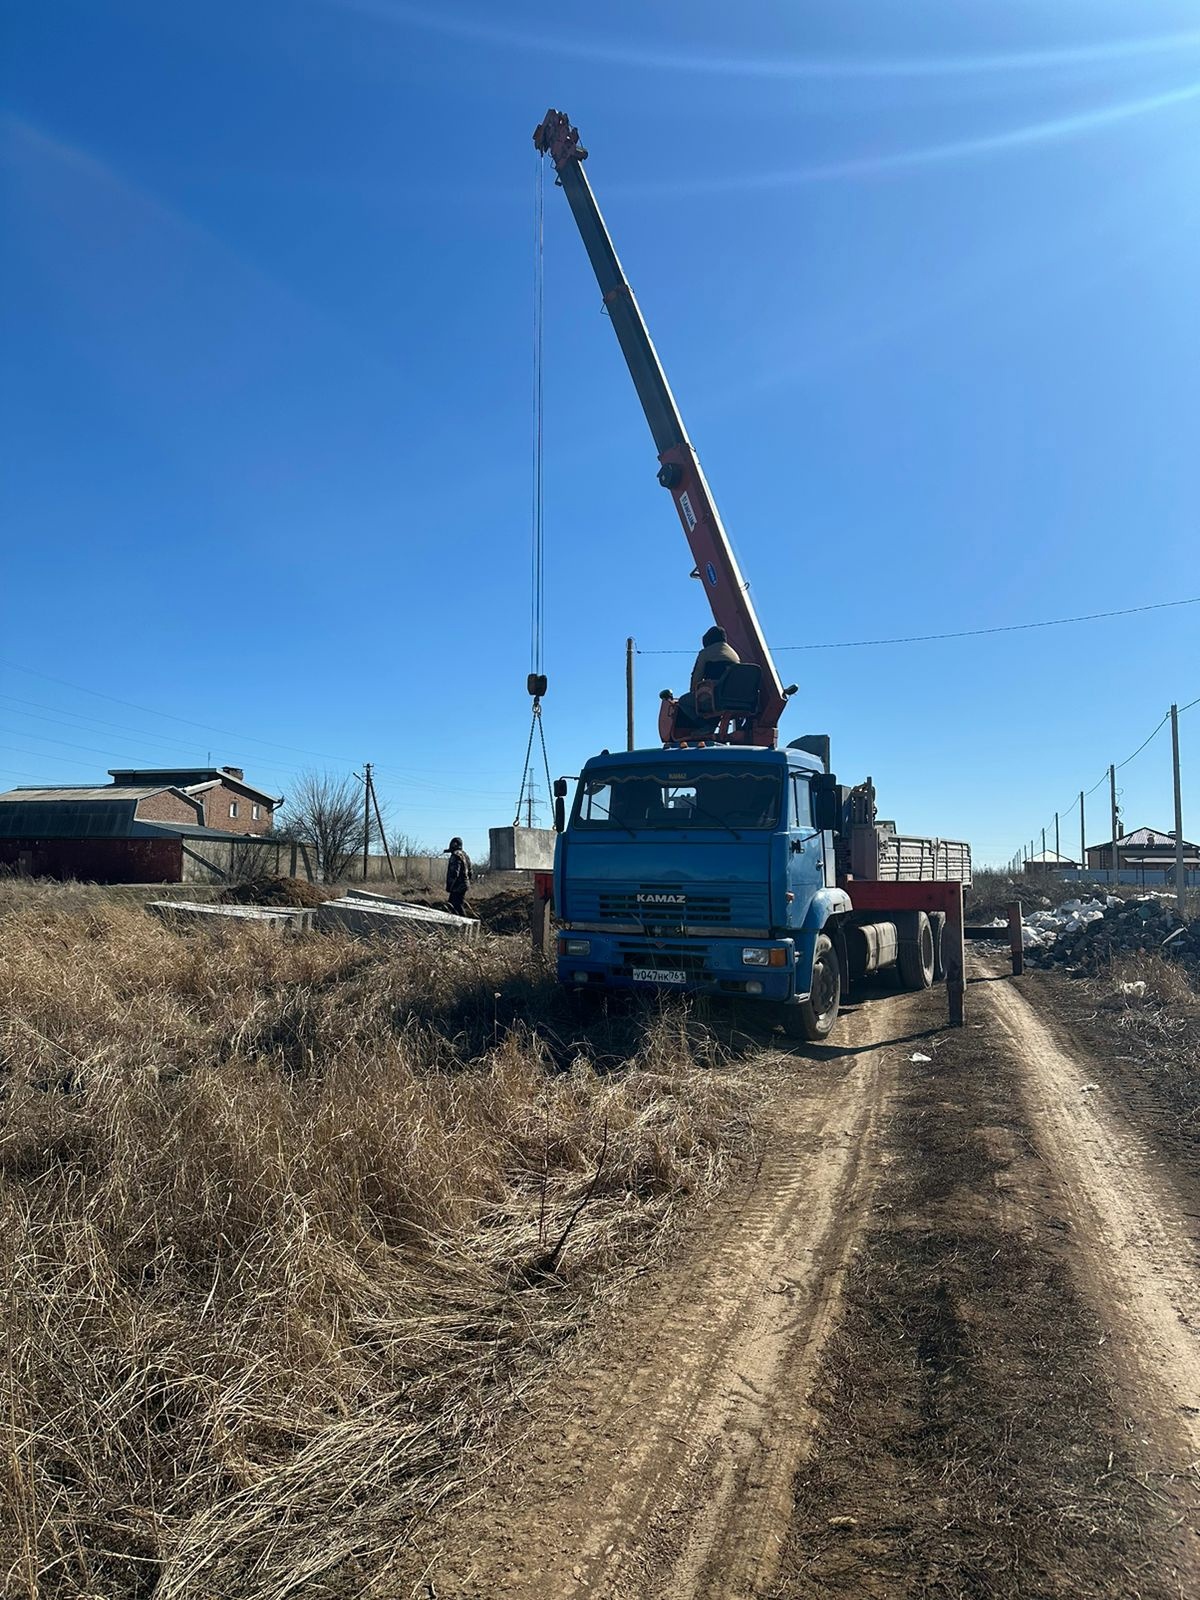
(923, 279)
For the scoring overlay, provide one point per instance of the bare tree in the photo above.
(325, 813)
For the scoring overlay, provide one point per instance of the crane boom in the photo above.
(679, 471)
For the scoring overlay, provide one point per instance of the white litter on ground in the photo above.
(1041, 928)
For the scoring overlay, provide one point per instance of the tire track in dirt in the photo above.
(1140, 1250)
(673, 1474)
(973, 1436)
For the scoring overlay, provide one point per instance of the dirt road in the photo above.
(943, 1339)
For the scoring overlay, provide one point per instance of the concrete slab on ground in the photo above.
(280, 919)
(390, 919)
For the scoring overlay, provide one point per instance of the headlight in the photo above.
(576, 947)
(757, 955)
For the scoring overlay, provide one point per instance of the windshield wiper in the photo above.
(621, 823)
(720, 821)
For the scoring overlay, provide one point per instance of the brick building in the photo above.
(123, 833)
(1144, 848)
(228, 803)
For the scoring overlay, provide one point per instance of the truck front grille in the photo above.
(666, 904)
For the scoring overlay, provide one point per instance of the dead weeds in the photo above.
(276, 1245)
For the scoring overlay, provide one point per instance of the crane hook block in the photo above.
(554, 136)
(537, 684)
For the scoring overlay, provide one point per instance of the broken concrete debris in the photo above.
(1086, 935)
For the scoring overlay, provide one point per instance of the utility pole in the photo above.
(379, 824)
(629, 694)
(1043, 847)
(1057, 849)
(1082, 834)
(1180, 878)
(366, 817)
(1112, 800)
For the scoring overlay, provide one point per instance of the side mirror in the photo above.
(560, 805)
(826, 803)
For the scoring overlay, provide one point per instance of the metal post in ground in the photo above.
(1112, 800)
(1015, 942)
(1180, 879)
(541, 912)
(629, 694)
(1043, 847)
(954, 955)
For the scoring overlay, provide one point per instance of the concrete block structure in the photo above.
(190, 913)
(521, 849)
(391, 919)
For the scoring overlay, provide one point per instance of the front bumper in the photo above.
(705, 965)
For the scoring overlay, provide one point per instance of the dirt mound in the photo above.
(506, 912)
(274, 892)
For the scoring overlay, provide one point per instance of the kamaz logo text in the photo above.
(662, 900)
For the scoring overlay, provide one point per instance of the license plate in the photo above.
(658, 975)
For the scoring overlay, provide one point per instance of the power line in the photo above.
(132, 705)
(964, 633)
(82, 722)
(1149, 737)
(1143, 744)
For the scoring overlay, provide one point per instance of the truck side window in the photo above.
(801, 802)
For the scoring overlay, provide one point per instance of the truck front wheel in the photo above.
(813, 1019)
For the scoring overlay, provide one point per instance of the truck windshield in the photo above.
(724, 797)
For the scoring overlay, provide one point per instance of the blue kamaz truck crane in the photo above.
(720, 863)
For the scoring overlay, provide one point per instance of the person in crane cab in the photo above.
(715, 658)
(458, 876)
(715, 655)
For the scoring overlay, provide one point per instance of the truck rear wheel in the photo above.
(916, 956)
(813, 1019)
(938, 922)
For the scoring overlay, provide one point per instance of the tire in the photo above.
(938, 921)
(585, 1003)
(917, 955)
(813, 1019)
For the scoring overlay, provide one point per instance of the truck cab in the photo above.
(703, 870)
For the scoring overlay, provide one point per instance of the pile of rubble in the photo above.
(1040, 929)
(1086, 935)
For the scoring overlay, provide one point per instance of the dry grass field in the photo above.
(286, 1227)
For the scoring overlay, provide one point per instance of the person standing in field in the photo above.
(458, 876)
